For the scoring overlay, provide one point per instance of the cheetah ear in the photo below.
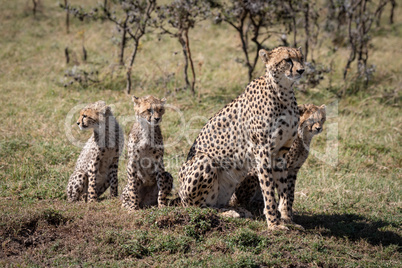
(301, 52)
(324, 107)
(264, 55)
(163, 100)
(135, 100)
(102, 107)
(302, 109)
(105, 110)
(100, 103)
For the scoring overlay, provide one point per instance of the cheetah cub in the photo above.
(148, 182)
(97, 165)
(312, 119)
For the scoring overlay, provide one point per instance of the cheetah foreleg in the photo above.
(113, 179)
(246, 190)
(76, 186)
(286, 195)
(165, 182)
(280, 176)
(93, 169)
(132, 199)
(266, 179)
(291, 188)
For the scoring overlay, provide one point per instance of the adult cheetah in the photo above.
(312, 119)
(256, 130)
(148, 182)
(97, 165)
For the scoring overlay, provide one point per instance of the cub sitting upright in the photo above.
(97, 165)
(312, 119)
(148, 182)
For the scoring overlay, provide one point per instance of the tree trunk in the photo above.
(307, 29)
(35, 6)
(132, 58)
(84, 53)
(244, 46)
(379, 11)
(67, 54)
(391, 17)
(67, 16)
(352, 55)
(191, 61)
(183, 45)
(292, 13)
(123, 41)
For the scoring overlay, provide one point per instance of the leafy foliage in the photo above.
(181, 15)
(253, 21)
(131, 20)
(258, 23)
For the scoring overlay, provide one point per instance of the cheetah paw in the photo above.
(277, 227)
(291, 224)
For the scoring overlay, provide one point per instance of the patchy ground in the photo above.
(103, 234)
(348, 194)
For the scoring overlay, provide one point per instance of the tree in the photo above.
(131, 17)
(35, 3)
(354, 20)
(359, 21)
(380, 9)
(311, 27)
(176, 19)
(138, 17)
(67, 16)
(253, 20)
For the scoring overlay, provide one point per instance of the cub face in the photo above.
(284, 61)
(149, 109)
(91, 116)
(312, 119)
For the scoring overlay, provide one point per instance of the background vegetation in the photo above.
(350, 206)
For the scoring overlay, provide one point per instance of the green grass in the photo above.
(348, 195)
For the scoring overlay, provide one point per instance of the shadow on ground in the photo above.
(352, 226)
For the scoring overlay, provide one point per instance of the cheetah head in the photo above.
(312, 119)
(284, 62)
(149, 109)
(92, 115)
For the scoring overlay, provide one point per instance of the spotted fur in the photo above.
(148, 182)
(312, 119)
(97, 165)
(255, 130)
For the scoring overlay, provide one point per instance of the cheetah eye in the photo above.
(288, 60)
(84, 115)
(149, 110)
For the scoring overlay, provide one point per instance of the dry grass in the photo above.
(351, 207)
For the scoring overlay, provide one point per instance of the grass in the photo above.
(347, 197)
